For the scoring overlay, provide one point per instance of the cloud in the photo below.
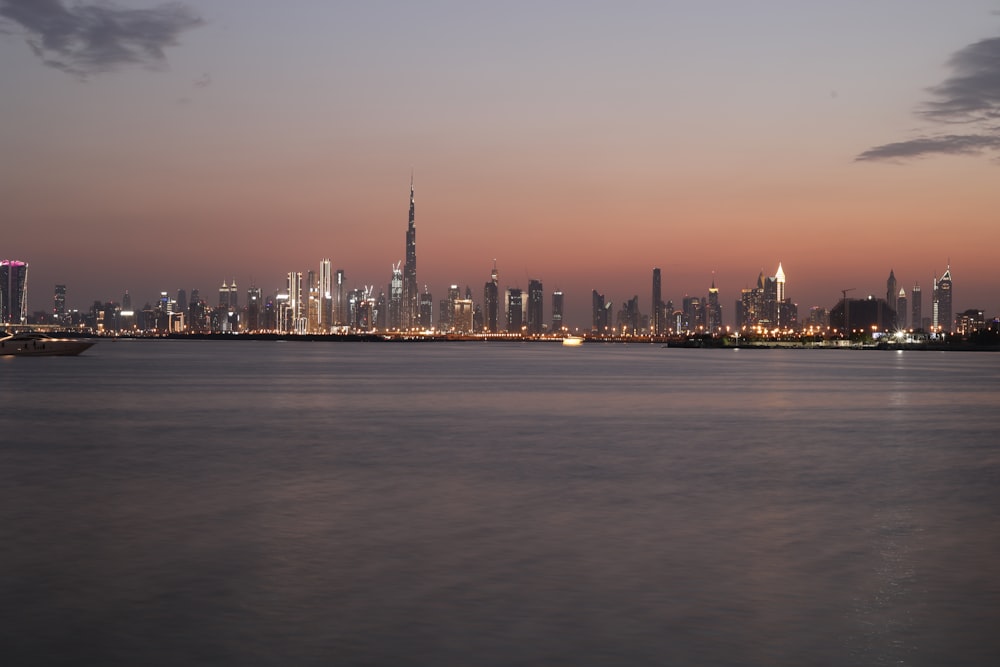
(969, 97)
(85, 39)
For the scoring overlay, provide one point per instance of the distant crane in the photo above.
(847, 311)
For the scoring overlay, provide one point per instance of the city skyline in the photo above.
(581, 146)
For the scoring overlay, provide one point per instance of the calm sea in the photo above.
(272, 503)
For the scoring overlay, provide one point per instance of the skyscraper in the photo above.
(394, 320)
(916, 308)
(599, 312)
(13, 291)
(515, 312)
(491, 301)
(901, 309)
(326, 295)
(557, 311)
(339, 300)
(411, 298)
(890, 293)
(536, 297)
(713, 312)
(656, 320)
(942, 302)
(59, 303)
(779, 278)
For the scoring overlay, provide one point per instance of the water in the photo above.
(263, 503)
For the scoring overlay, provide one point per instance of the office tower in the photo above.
(901, 309)
(295, 317)
(942, 302)
(234, 297)
(694, 313)
(394, 319)
(224, 295)
(326, 295)
(491, 301)
(182, 301)
(339, 300)
(536, 296)
(557, 311)
(59, 303)
(13, 291)
(312, 304)
(628, 317)
(916, 308)
(599, 312)
(515, 310)
(127, 299)
(779, 279)
(426, 308)
(254, 304)
(713, 313)
(462, 316)
(656, 314)
(890, 293)
(411, 299)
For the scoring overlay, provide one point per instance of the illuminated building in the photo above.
(59, 304)
(491, 301)
(515, 312)
(294, 317)
(394, 318)
(656, 324)
(916, 308)
(901, 309)
(254, 304)
(557, 311)
(13, 291)
(411, 301)
(942, 302)
(536, 296)
(461, 318)
(713, 311)
(311, 305)
(599, 312)
(969, 322)
(325, 295)
(426, 309)
(339, 300)
(891, 296)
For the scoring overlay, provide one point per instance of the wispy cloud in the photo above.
(84, 39)
(969, 97)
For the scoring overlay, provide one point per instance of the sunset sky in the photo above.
(153, 147)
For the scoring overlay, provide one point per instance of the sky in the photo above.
(155, 146)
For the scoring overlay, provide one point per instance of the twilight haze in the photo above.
(154, 146)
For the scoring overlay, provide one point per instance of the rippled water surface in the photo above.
(266, 503)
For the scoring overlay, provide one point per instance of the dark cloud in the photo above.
(970, 96)
(85, 39)
(950, 144)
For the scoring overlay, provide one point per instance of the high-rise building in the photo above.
(426, 309)
(942, 302)
(326, 295)
(394, 319)
(713, 311)
(411, 298)
(557, 311)
(515, 310)
(656, 314)
(916, 308)
(491, 301)
(295, 318)
(779, 279)
(59, 303)
(13, 291)
(182, 301)
(340, 300)
(599, 312)
(901, 309)
(254, 305)
(891, 295)
(536, 296)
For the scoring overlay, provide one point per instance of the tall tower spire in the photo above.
(411, 296)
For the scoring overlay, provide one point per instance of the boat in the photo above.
(37, 344)
(572, 341)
